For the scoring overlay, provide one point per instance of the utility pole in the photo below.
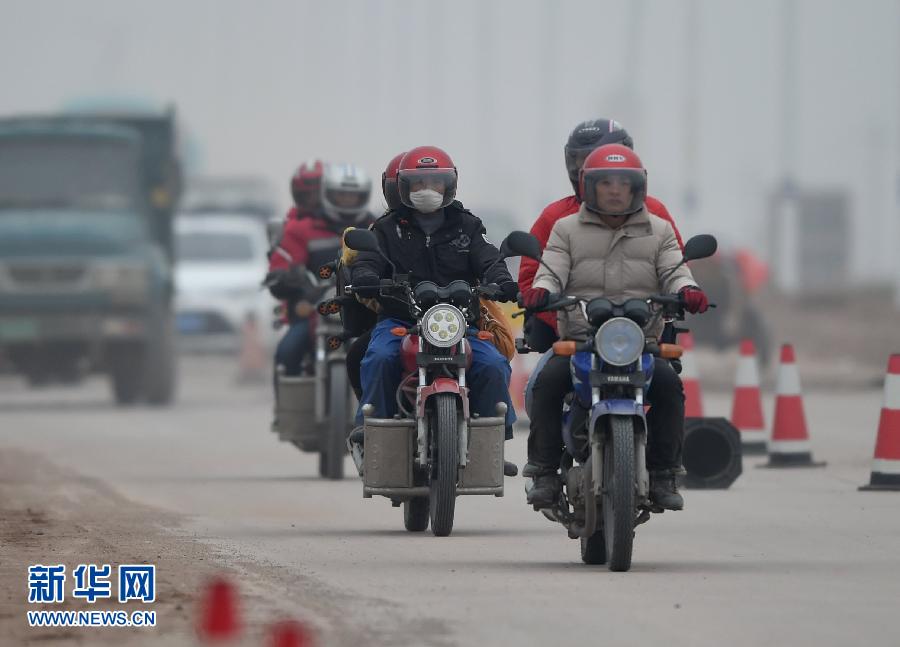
(691, 117)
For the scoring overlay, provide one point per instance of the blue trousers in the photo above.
(293, 347)
(487, 379)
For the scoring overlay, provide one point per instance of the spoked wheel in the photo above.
(618, 493)
(415, 514)
(334, 442)
(445, 464)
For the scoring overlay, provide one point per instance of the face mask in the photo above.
(426, 200)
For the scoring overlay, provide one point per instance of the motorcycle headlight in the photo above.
(619, 342)
(443, 326)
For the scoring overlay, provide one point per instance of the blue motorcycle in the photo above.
(604, 474)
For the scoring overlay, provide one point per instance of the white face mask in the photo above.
(426, 200)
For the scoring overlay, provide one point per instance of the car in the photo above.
(221, 259)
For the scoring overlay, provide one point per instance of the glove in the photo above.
(694, 299)
(509, 292)
(366, 284)
(534, 298)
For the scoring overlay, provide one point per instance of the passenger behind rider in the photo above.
(611, 247)
(362, 331)
(310, 241)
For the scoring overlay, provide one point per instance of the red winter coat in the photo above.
(544, 225)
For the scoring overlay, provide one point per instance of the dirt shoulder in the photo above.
(50, 515)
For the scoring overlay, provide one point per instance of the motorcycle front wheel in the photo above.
(618, 492)
(444, 464)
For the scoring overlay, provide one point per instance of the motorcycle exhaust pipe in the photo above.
(711, 453)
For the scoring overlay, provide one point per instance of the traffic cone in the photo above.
(218, 619)
(693, 402)
(886, 464)
(252, 357)
(289, 633)
(789, 445)
(746, 409)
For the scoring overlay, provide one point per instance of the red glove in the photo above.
(694, 299)
(534, 298)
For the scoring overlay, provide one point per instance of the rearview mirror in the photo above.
(700, 246)
(520, 243)
(361, 240)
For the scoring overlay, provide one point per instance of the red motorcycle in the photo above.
(434, 449)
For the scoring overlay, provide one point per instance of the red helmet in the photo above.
(613, 181)
(306, 185)
(426, 170)
(389, 182)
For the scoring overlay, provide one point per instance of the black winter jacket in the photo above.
(459, 250)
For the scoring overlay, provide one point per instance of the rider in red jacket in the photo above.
(540, 329)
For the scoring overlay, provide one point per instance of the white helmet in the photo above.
(345, 193)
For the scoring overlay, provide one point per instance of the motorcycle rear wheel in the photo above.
(331, 456)
(445, 464)
(415, 514)
(618, 492)
(593, 548)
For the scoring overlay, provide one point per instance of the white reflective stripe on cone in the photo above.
(789, 447)
(788, 382)
(884, 466)
(688, 370)
(747, 375)
(753, 435)
(892, 391)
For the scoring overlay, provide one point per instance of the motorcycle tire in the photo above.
(618, 492)
(331, 456)
(415, 514)
(445, 464)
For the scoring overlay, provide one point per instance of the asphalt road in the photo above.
(784, 557)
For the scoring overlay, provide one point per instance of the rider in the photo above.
(432, 238)
(612, 247)
(357, 349)
(306, 190)
(540, 328)
(308, 243)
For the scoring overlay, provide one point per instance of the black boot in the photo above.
(510, 469)
(544, 491)
(663, 491)
(356, 445)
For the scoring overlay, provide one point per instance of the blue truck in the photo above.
(86, 281)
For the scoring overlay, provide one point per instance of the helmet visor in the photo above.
(614, 192)
(441, 180)
(347, 199)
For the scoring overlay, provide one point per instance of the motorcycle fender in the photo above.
(617, 408)
(442, 385)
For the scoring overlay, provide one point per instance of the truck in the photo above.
(86, 250)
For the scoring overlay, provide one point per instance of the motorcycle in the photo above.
(314, 410)
(605, 481)
(434, 449)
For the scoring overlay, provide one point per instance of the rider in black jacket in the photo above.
(431, 238)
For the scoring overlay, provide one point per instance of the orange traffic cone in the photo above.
(886, 465)
(252, 358)
(746, 409)
(218, 620)
(289, 633)
(693, 402)
(789, 446)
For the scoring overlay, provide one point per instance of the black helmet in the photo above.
(587, 136)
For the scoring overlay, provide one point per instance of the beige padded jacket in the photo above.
(594, 260)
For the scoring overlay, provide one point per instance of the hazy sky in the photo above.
(262, 85)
